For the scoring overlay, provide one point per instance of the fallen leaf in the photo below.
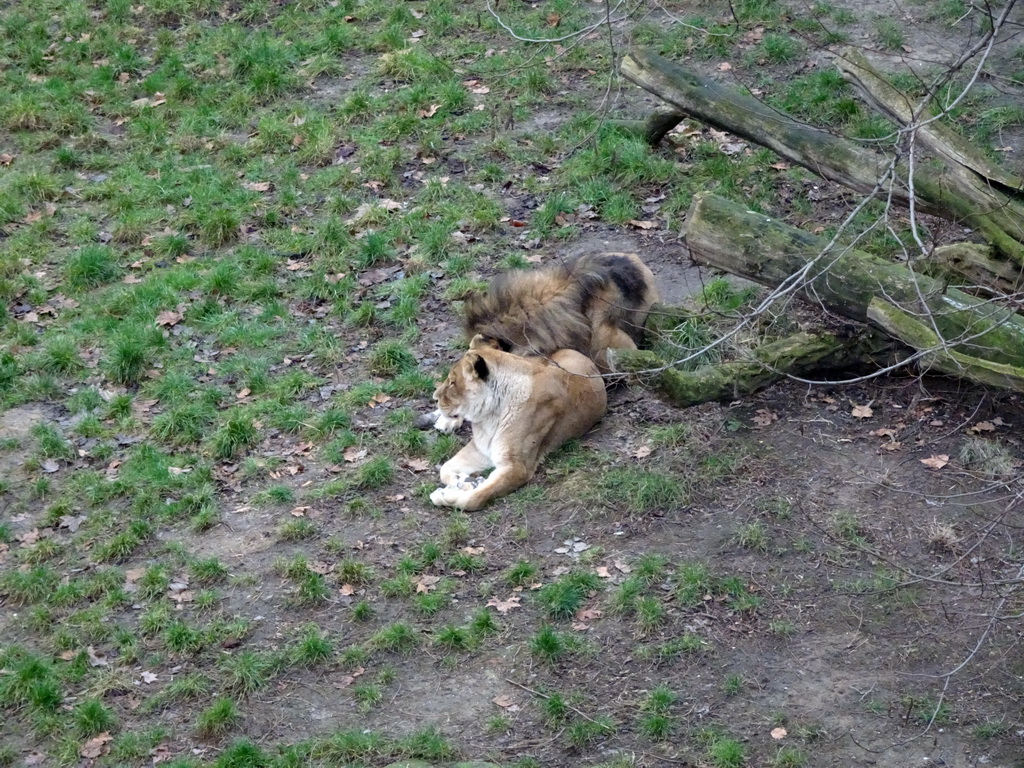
(883, 432)
(937, 461)
(981, 426)
(862, 412)
(503, 701)
(299, 511)
(96, 659)
(418, 465)
(589, 614)
(96, 746)
(779, 733)
(554, 19)
(642, 452)
(29, 537)
(428, 112)
(473, 550)
(623, 567)
(347, 590)
(71, 522)
(148, 677)
(161, 753)
(725, 66)
(426, 583)
(35, 758)
(603, 572)
(50, 466)
(763, 417)
(504, 606)
(175, 471)
(353, 453)
(258, 186)
(168, 317)
(643, 224)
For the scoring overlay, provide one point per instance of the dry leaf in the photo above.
(763, 417)
(725, 66)
(97, 746)
(937, 461)
(148, 677)
(862, 412)
(347, 590)
(503, 701)
(428, 112)
(643, 224)
(473, 550)
(504, 606)
(602, 572)
(778, 733)
(71, 522)
(96, 659)
(258, 186)
(642, 452)
(168, 317)
(427, 583)
(589, 614)
(353, 453)
(981, 426)
(50, 466)
(418, 465)
(883, 432)
(175, 471)
(554, 19)
(29, 537)
(623, 567)
(299, 511)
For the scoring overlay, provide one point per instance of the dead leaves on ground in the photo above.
(504, 606)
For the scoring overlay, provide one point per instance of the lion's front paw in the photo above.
(448, 496)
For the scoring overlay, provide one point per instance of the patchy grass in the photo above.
(234, 240)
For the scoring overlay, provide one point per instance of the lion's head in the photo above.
(457, 395)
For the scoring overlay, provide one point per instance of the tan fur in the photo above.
(591, 304)
(521, 409)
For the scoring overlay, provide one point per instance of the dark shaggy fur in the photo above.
(590, 304)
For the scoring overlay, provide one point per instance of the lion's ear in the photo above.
(483, 342)
(480, 367)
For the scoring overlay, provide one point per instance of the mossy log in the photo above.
(975, 268)
(794, 355)
(654, 128)
(969, 185)
(919, 336)
(726, 235)
(946, 189)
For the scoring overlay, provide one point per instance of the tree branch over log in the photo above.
(794, 355)
(726, 235)
(950, 190)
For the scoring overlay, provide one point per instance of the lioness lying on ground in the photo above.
(591, 304)
(521, 409)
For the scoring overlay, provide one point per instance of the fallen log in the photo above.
(970, 185)
(936, 355)
(725, 235)
(951, 190)
(795, 355)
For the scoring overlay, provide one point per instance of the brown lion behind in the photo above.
(592, 303)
